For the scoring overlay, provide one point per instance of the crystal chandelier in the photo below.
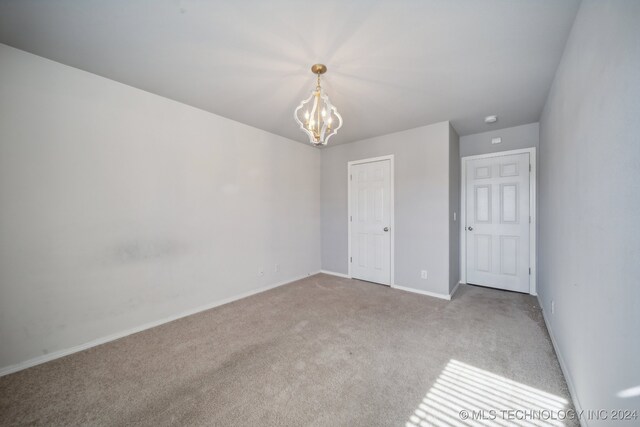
(317, 117)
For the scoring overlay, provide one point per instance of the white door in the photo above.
(370, 191)
(497, 222)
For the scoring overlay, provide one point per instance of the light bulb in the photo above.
(330, 120)
(324, 112)
(306, 115)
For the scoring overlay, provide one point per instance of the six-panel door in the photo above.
(497, 222)
(370, 221)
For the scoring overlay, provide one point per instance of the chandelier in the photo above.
(317, 117)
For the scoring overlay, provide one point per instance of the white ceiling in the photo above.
(393, 65)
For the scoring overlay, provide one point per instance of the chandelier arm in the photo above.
(335, 130)
(312, 127)
(329, 108)
(302, 125)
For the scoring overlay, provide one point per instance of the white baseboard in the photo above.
(421, 292)
(563, 367)
(333, 273)
(61, 353)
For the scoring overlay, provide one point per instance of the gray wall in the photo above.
(421, 203)
(454, 208)
(513, 138)
(590, 205)
(120, 207)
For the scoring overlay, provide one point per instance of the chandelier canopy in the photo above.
(317, 117)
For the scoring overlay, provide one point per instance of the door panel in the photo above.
(483, 203)
(497, 226)
(483, 252)
(509, 255)
(509, 203)
(370, 187)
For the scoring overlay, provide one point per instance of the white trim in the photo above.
(392, 225)
(61, 353)
(334, 273)
(563, 367)
(427, 293)
(532, 211)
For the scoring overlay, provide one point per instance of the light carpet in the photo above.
(322, 351)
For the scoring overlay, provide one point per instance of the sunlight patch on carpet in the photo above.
(464, 395)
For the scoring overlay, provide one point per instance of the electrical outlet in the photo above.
(260, 273)
(276, 268)
(454, 216)
(423, 274)
(553, 307)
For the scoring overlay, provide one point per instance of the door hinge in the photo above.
(350, 177)
(529, 219)
(529, 271)
(529, 167)
(351, 218)
(350, 259)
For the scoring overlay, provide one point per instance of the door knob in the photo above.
(386, 229)
(470, 228)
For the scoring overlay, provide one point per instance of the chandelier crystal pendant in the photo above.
(317, 117)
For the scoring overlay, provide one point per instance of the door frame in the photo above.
(392, 227)
(532, 211)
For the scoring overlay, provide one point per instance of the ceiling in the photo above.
(393, 64)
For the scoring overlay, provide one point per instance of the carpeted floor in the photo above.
(322, 351)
